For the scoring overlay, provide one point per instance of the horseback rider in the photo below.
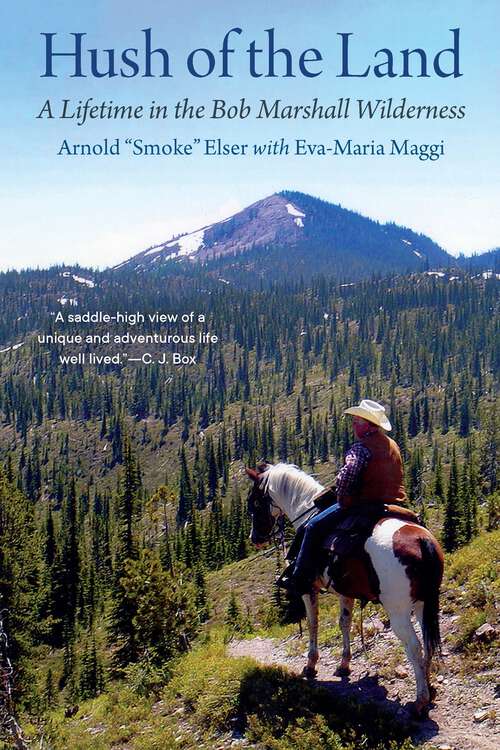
(371, 476)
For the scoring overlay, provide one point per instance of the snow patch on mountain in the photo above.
(294, 211)
(81, 280)
(187, 244)
(419, 255)
(155, 249)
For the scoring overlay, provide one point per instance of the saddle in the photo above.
(361, 520)
(349, 566)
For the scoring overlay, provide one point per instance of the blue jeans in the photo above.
(317, 530)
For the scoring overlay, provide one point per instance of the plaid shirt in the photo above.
(355, 461)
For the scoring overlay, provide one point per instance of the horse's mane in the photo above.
(288, 481)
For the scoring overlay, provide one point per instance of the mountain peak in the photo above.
(295, 233)
(274, 220)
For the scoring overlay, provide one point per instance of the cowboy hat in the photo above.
(372, 412)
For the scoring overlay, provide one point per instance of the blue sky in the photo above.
(98, 211)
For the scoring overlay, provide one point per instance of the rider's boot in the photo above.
(284, 580)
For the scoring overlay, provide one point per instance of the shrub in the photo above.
(468, 623)
(474, 572)
(279, 710)
(147, 676)
(208, 682)
(476, 569)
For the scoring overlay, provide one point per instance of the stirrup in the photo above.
(284, 579)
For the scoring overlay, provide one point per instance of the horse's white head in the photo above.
(279, 489)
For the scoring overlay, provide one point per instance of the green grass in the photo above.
(210, 694)
(276, 709)
(472, 590)
(251, 580)
(120, 719)
(476, 567)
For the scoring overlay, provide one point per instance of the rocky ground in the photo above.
(464, 715)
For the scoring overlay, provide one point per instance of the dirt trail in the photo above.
(463, 716)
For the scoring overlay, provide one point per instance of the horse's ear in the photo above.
(254, 475)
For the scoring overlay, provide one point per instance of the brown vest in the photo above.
(382, 478)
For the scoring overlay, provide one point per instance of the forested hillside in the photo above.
(122, 486)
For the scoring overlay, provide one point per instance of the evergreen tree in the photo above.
(212, 472)
(465, 418)
(283, 441)
(445, 419)
(91, 672)
(233, 617)
(70, 563)
(298, 417)
(413, 419)
(163, 610)
(453, 516)
(49, 691)
(121, 627)
(185, 507)
(438, 481)
(22, 591)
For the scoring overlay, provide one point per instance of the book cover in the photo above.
(249, 261)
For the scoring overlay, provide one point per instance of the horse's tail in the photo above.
(432, 574)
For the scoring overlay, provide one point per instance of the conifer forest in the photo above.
(122, 488)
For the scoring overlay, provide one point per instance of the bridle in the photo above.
(265, 504)
(276, 532)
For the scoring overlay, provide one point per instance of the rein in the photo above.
(301, 515)
(278, 531)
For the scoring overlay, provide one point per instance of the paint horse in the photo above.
(406, 558)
